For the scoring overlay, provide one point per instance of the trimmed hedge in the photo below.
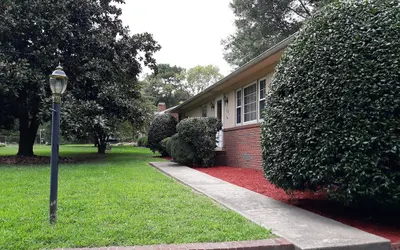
(181, 151)
(168, 145)
(163, 126)
(332, 118)
(195, 141)
(163, 144)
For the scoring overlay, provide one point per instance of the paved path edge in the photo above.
(268, 244)
(378, 245)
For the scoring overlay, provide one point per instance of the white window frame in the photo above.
(255, 120)
(259, 117)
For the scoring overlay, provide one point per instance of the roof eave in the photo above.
(279, 46)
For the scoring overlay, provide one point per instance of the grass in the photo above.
(118, 200)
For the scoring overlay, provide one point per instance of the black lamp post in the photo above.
(58, 84)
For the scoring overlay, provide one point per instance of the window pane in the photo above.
(262, 89)
(238, 115)
(250, 103)
(253, 115)
(262, 106)
(219, 110)
(239, 98)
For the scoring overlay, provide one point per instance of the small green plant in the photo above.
(163, 144)
(142, 142)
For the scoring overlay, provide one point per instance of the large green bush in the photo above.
(332, 118)
(181, 151)
(163, 126)
(195, 141)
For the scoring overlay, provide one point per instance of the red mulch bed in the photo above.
(383, 224)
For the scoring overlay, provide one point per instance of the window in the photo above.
(250, 103)
(219, 110)
(239, 106)
(262, 85)
(204, 111)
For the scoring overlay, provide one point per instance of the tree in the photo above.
(102, 119)
(200, 77)
(147, 110)
(89, 40)
(332, 117)
(263, 23)
(118, 97)
(167, 85)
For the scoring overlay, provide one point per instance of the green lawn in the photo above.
(116, 200)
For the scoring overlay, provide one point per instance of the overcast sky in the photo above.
(189, 31)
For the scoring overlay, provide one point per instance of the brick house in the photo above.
(237, 100)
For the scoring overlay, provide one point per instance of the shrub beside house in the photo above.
(195, 141)
(332, 118)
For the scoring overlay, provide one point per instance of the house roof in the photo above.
(225, 81)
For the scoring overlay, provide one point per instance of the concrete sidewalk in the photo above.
(304, 229)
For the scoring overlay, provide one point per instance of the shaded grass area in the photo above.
(65, 150)
(119, 200)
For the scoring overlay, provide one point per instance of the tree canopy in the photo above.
(261, 24)
(173, 84)
(200, 77)
(167, 85)
(100, 57)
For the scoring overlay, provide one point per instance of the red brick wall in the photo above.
(242, 145)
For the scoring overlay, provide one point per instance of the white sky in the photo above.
(189, 31)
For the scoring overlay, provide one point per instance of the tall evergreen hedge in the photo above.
(332, 117)
(162, 126)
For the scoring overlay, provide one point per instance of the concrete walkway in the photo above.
(304, 229)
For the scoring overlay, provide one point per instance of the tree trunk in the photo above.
(101, 148)
(27, 135)
(25, 147)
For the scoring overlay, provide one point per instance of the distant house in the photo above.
(238, 100)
